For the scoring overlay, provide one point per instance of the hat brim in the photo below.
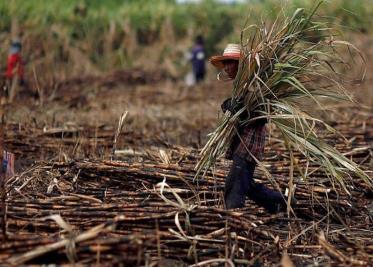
(217, 61)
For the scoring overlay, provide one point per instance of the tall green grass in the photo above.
(112, 33)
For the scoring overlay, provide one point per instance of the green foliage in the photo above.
(85, 24)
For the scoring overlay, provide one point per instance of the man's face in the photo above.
(231, 67)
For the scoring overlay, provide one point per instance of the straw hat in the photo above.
(232, 52)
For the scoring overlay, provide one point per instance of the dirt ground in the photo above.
(160, 112)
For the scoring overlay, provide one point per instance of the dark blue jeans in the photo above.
(240, 183)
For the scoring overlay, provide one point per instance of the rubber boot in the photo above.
(267, 198)
(273, 201)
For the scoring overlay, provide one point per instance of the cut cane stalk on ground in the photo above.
(143, 206)
(2, 178)
(280, 66)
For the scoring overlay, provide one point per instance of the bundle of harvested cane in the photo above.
(293, 61)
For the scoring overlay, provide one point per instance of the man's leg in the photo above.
(240, 183)
(237, 183)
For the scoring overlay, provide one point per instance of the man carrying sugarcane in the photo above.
(275, 71)
(246, 147)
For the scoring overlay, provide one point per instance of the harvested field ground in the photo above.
(141, 206)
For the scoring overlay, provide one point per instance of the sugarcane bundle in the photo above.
(293, 60)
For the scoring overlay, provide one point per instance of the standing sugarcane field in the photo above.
(186, 133)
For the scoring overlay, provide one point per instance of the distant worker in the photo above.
(198, 59)
(15, 63)
(14, 73)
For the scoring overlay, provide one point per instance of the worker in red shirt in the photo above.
(15, 63)
(14, 74)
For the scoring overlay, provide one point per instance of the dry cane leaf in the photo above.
(333, 252)
(164, 156)
(61, 222)
(286, 261)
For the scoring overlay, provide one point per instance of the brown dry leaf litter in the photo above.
(140, 213)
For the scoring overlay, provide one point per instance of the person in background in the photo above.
(198, 59)
(245, 148)
(14, 73)
(15, 62)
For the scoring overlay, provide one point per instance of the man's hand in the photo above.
(232, 105)
(226, 105)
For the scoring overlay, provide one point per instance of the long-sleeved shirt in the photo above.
(14, 66)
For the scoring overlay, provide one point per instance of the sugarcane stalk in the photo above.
(2, 176)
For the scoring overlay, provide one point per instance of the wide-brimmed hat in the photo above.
(232, 51)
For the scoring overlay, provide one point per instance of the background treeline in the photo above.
(67, 37)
